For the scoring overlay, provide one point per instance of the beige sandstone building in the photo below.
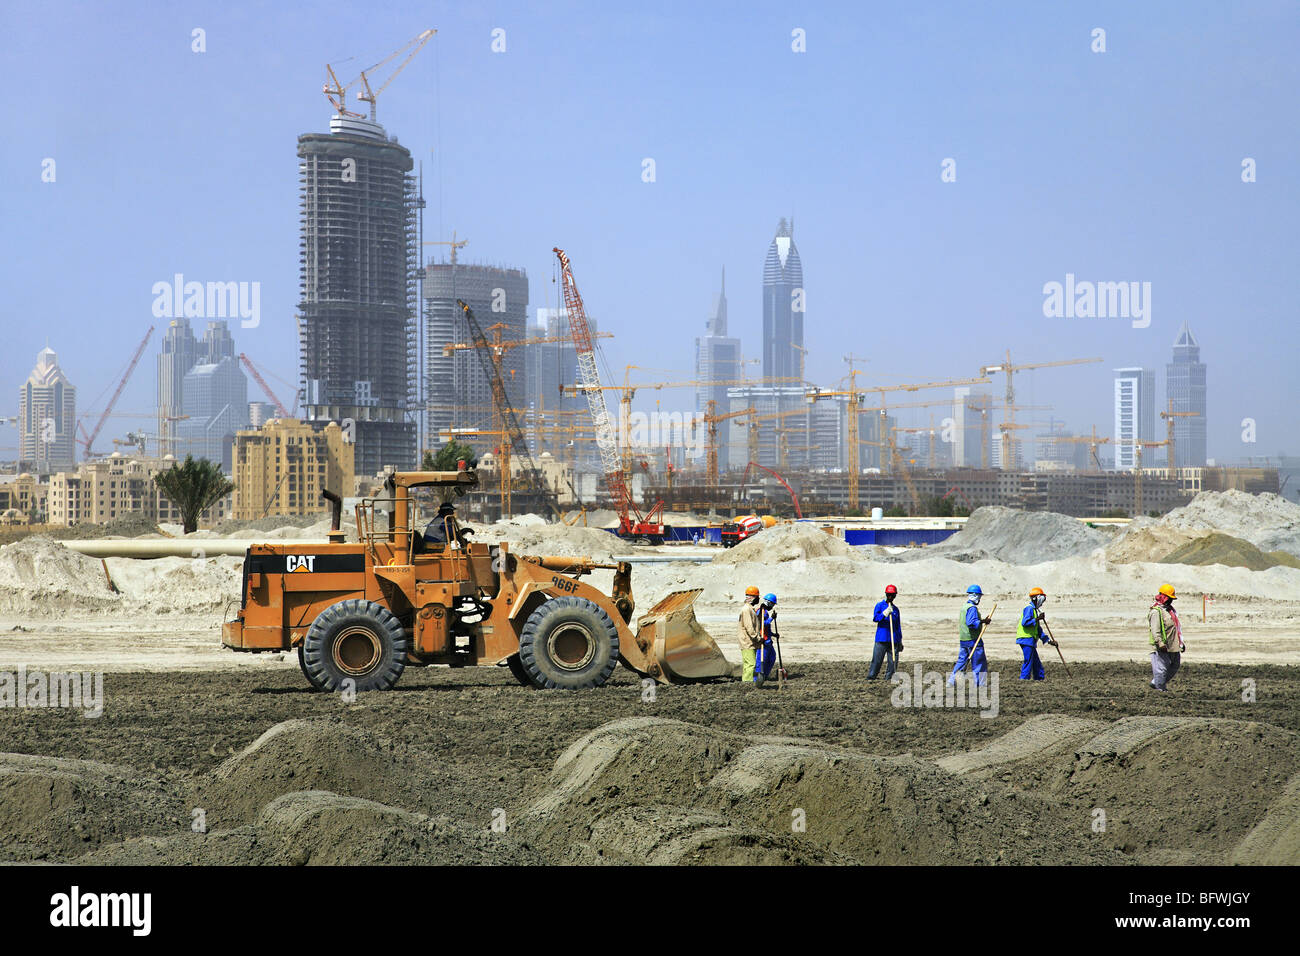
(281, 468)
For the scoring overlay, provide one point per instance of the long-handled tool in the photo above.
(893, 638)
(979, 639)
(780, 666)
(1043, 622)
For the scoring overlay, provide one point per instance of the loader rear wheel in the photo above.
(302, 664)
(517, 670)
(569, 643)
(358, 641)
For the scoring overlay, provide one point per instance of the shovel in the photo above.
(780, 666)
(980, 639)
(1058, 648)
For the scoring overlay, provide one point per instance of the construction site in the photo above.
(474, 595)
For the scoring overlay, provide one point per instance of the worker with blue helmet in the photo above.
(766, 656)
(969, 627)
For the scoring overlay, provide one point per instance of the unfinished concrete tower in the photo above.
(358, 275)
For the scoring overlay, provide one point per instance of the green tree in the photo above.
(895, 512)
(447, 457)
(193, 487)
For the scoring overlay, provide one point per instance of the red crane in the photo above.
(631, 523)
(257, 377)
(108, 409)
(793, 497)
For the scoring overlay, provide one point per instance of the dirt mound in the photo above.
(1178, 787)
(178, 585)
(553, 539)
(1039, 737)
(655, 790)
(1275, 840)
(1020, 537)
(319, 828)
(39, 576)
(1268, 521)
(56, 807)
(317, 754)
(790, 541)
(1219, 548)
(1146, 540)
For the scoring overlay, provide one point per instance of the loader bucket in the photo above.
(671, 638)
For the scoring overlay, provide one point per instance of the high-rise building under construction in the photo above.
(358, 273)
(458, 386)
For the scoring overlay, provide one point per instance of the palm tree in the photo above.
(447, 457)
(193, 487)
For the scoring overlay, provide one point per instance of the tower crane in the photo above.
(1169, 417)
(117, 393)
(855, 396)
(1009, 370)
(631, 523)
(257, 377)
(337, 92)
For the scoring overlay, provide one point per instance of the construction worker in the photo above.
(1166, 636)
(1030, 632)
(748, 633)
(889, 635)
(971, 647)
(766, 655)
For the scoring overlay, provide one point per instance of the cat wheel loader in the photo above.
(359, 613)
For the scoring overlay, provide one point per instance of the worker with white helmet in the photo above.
(971, 647)
(748, 633)
(1166, 637)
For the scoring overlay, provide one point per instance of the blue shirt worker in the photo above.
(1030, 632)
(889, 635)
(972, 648)
(766, 656)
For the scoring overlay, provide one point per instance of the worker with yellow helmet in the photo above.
(1166, 637)
(748, 634)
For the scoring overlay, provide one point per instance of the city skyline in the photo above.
(964, 261)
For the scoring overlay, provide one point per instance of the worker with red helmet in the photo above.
(889, 635)
(1030, 632)
(748, 633)
(1166, 637)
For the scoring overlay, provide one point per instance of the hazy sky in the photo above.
(1123, 165)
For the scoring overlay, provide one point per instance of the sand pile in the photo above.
(553, 539)
(55, 807)
(39, 576)
(1146, 539)
(1020, 537)
(312, 755)
(785, 542)
(178, 585)
(1219, 548)
(1268, 521)
(662, 791)
(1178, 785)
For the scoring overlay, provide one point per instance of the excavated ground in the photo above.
(827, 771)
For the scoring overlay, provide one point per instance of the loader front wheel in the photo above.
(517, 670)
(569, 643)
(354, 641)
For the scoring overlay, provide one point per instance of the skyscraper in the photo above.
(457, 388)
(180, 352)
(783, 307)
(1135, 416)
(1185, 385)
(358, 272)
(47, 417)
(202, 392)
(717, 359)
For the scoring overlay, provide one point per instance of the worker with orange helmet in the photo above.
(1166, 636)
(889, 635)
(1030, 632)
(748, 634)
